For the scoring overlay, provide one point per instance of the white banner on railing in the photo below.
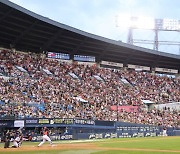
(111, 63)
(86, 63)
(19, 123)
(167, 70)
(138, 67)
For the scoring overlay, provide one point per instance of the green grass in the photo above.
(130, 152)
(161, 143)
(151, 145)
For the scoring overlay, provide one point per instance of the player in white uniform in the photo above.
(45, 137)
(164, 131)
(17, 141)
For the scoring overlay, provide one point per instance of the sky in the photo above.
(100, 17)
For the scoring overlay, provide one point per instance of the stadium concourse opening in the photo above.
(79, 85)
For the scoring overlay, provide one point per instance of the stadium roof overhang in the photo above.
(27, 31)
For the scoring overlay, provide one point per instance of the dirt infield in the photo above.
(81, 146)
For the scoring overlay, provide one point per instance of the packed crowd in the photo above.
(36, 86)
(153, 117)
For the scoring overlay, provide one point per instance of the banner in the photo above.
(84, 121)
(117, 134)
(58, 55)
(31, 121)
(138, 67)
(166, 70)
(108, 63)
(19, 123)
(62, 121)
(57, 137)
(6, 123)
(104, 123)
(43, 121)
(58, 121)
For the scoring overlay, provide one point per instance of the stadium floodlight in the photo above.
(135, 22)
(142, 22)
(123, 21)
(171, 24)
(148, 23)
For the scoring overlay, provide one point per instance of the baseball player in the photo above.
(45, 137)
(164, 131)
(17, 141)
(7, 139)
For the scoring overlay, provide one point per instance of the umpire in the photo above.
(7, 138)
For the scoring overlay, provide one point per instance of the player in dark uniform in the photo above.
(7, 139)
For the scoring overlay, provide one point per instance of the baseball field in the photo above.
(150, 145)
